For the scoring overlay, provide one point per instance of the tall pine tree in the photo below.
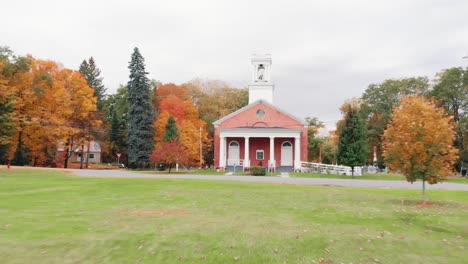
(92, 75)
(352, 146)
(141, 116)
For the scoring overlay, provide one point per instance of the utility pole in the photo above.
(201, 155)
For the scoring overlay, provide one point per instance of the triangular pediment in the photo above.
(250, 116)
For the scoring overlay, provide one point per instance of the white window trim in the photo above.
(260, 151)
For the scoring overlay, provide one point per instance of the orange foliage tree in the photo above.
(419, 141)
(50, 104)
(175, 101)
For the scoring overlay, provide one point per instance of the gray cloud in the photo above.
(324, 52)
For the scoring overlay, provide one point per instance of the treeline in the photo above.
(45, 107)
(448, 89)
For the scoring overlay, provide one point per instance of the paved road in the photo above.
(278, 180)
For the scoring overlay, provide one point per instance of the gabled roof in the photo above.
(93, 147)
(219, 121)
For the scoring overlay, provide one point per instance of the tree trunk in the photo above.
(68, 152)
(352, 172)
(81, 160)
(424, 190)
(65, 162)
(87, 155)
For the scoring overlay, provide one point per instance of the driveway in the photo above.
(276, 180)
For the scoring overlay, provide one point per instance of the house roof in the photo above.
(219, 121)
(93, 147)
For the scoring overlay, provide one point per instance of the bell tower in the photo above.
(261, 87)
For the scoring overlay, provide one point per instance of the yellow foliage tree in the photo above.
(50, 104)
(419, 141)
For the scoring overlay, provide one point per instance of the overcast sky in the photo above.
(323, 52)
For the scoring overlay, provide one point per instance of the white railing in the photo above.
(235, 162)
(329, 169)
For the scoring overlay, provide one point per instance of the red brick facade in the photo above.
(271, 125)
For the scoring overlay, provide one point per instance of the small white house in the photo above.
(94, 154)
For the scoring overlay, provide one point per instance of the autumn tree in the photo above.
(170, 153)
(378, 101)
(38, 122)
(418, 141)
(141, 116)
(214, 99)
(81, 108)
(451, 92)
(352, 146)
(174, 101)
(48, 103)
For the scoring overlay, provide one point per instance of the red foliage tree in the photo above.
(170, 153)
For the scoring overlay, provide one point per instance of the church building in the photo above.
(260, 134)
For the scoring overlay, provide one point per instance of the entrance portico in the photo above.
(260, 146)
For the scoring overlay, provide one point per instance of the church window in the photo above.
(260, 154)
(260, 113)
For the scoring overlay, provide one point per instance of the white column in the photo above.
(268, 72)
(222, 152)
(297, 153)
(271, 162)
(254, 73)
(246, 153)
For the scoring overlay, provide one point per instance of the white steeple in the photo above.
(261, 87)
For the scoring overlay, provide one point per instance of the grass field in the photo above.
(47, 216)
(205, 172)
(377, 176)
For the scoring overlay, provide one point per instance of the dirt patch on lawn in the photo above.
(154, 212)
(437, 205)
(303, 184)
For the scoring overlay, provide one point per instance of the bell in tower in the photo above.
(261, 87)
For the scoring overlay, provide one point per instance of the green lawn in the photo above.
(48, 216)
(203, 172)
(185, 171)
(463, 180)
(377, 176)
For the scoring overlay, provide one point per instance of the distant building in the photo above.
(260, 134)
(94, 154)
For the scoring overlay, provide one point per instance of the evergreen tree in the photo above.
(172, 133)
(141, 116)
(92, 75)
(352, 146)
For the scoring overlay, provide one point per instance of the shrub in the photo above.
(258, 171)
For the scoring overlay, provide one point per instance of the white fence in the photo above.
(329, 169)
(235, 162)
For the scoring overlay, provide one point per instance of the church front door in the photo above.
(286, 154)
